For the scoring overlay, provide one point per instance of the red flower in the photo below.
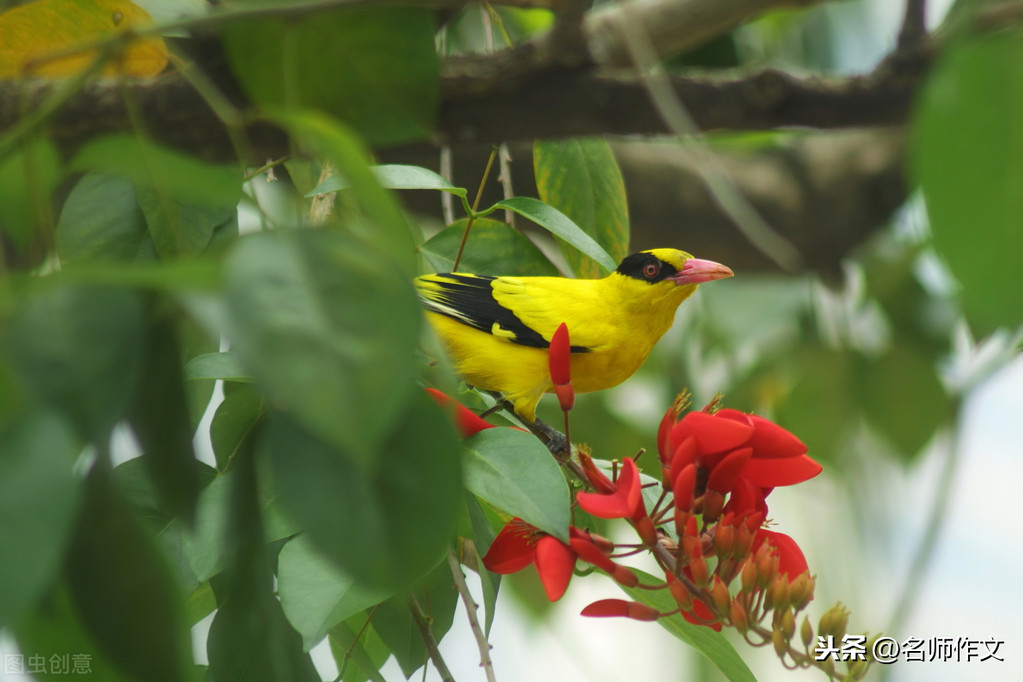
(519, 545)
(790, 558)
(624, 502)
(559, 364)
(466, 421)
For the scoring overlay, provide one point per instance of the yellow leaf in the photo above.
(31, 33)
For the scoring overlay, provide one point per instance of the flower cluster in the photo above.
(707, 531)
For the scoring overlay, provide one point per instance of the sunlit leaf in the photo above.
(580, 177)
(31, 32)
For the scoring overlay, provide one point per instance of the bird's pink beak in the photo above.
(697, 271)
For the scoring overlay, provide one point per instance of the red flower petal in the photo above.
(701, 615)
(770, 440)
(683, 488)
(623, 503)
(685, 454)
(745, 499)
(770, 473)
(665, 447)
(605, 608)
(466, 421)
(790, 558)
(513, 548)
(724, 474)
(591, 554)
(554, 563)
(713, 433)
(558, 356)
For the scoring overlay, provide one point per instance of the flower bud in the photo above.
(806, 632)
(749, 576)
(566, 396)
(779, 593)
(699, 571)
(724, 540)
(645, 529)
(713, 501)
(743, 542)
(834, 622)
(781, 645)
(788, 624)
(624, 576)
(680, 593)
(801, 591)
(767, 568)
(737, 614)
(719, 595)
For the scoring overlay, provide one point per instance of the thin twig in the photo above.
(719, 184)
(419, 618)
(470, 610)
(914, 24)
(475, 207)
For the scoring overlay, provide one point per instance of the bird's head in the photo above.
(671, 266)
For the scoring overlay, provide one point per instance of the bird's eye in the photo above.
(650, 270)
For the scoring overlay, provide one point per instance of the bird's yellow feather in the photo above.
(497, 329)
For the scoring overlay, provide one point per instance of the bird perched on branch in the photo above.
(497, 329)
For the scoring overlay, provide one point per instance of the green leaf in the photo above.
(123, 589)
(711, 644)
(393, 621)
(560, 225)
(387, 527)
(329, 328)
(181, 227)
(387, 227)
(374, 67)
(513, 471)
(38, 499)
(79, 350)
(581, 178)
(27, 180)
(492, 248)
(102, 222)
(315, 594)
(904, 399)
(234, 420)
(394, 176)
(224, 365)
(56, 629)
(968, 156)
(358, 650)
(156, 168)
(160, 418)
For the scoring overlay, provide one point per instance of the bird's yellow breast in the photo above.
(618, 319)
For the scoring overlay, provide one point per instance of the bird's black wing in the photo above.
(469, 299)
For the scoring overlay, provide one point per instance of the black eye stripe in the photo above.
(637, 265)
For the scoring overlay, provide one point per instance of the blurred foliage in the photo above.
(333, 487)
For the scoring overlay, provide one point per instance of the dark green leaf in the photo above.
(561, 226)
(387, 527)
(38, 499)
(102, 222)
(233, 421)
(393, 621)
(124, 591)
(374, 67)
(395, 176)
(513, 471)
(904, 399)
(183, 227)
(329, 328)
(493, 248)
(315, 594)
(27, 179)
(160, 418)
(249, 638)
(711, 644)
(225, 365)
(968, 157)
(580, 177)
(79, 349)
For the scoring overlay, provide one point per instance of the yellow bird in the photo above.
(498, 329)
